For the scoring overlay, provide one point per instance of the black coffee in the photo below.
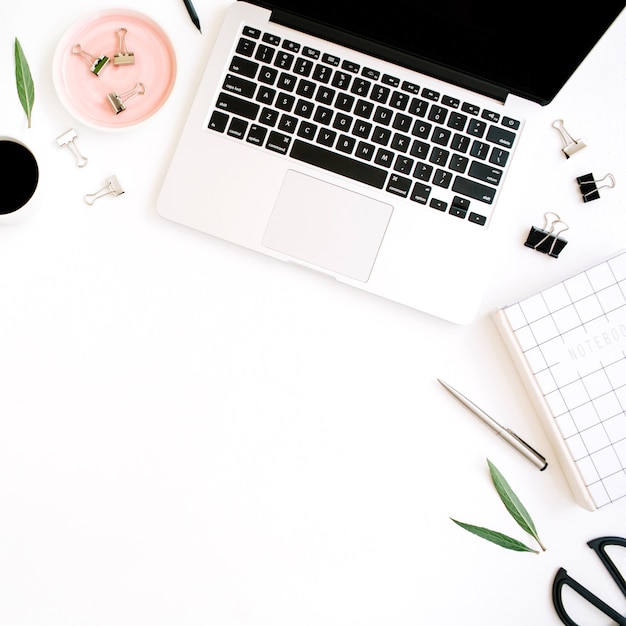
(19, 175)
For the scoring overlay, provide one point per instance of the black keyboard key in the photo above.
(420, 149)
(380, 94)
(399, 185)
(268, 116)
(288, 123)
(441, 136)
(245, 47)
(307, 130)
(423, 171)
(306, 88)
(501, 136)
(485, 173)
(240, 86)
(365, 150)
(237, 128)
(384, 157)
(285, 101)
(268, 75)
(418, 107)
(325, 95)
(256, 134)
(420, 193)
(322, 73)
(218, 121)
(510, 123)
(245, 67)
(458, 211)
(287, 82)
(472, 189)
(248, 31)
(323, 115)
(326, 137)
(310, 53)
(442, 178)
(364, 109)
(498, 157)
(383, 115)
(237, 106)
(399, 100)
(429, 94)
(362, 129)
(278, 142)
(360, 87)
(284, 60)
(273, 40)
(437, 114)
(264, 53)
(346, 144)
(476, 218)
(341, 80)
(339, 163)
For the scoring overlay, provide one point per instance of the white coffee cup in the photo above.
(19, 180)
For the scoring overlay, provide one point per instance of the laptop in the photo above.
(372, 144)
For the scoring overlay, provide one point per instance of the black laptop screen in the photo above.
(529, 49)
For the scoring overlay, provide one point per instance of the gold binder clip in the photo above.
(118, 100)
(112, 187)
(589, 188)
(548, 241)
(68, 140)
(96, 64)
(570, 145)
(123, 56)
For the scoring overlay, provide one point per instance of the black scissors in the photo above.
(562, 579)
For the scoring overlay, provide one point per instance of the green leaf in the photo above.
(512, 503)
(495, 537)
(24, 81)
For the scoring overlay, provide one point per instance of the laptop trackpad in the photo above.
(326, 225)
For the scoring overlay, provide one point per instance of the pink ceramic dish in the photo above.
(84, 94)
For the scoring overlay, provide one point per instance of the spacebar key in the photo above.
(338, 163)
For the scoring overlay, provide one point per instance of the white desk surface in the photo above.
(195, 434)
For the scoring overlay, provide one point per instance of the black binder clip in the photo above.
(548, 240)
(570, 145)
(589, 187)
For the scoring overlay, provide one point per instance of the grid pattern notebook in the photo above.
(569, 344)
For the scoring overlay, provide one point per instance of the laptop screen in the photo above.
(528, 49)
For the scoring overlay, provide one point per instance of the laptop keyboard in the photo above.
(407, 139)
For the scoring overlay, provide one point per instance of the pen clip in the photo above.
(528, 447)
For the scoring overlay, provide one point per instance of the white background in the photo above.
(195, 434)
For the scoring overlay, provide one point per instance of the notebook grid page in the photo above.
(573, 336)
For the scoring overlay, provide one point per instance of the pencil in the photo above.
(192, 13)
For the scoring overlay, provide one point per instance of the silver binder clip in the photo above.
(570, 145)
(96, 64)
(112, 187)
(548, 239)
(123, 56)
(68, 140)
(589, 187)
(118, 100)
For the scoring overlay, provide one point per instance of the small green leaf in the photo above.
(496, 537)
(24, 81)
(512, 503)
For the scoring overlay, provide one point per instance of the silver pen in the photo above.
(506, 433)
